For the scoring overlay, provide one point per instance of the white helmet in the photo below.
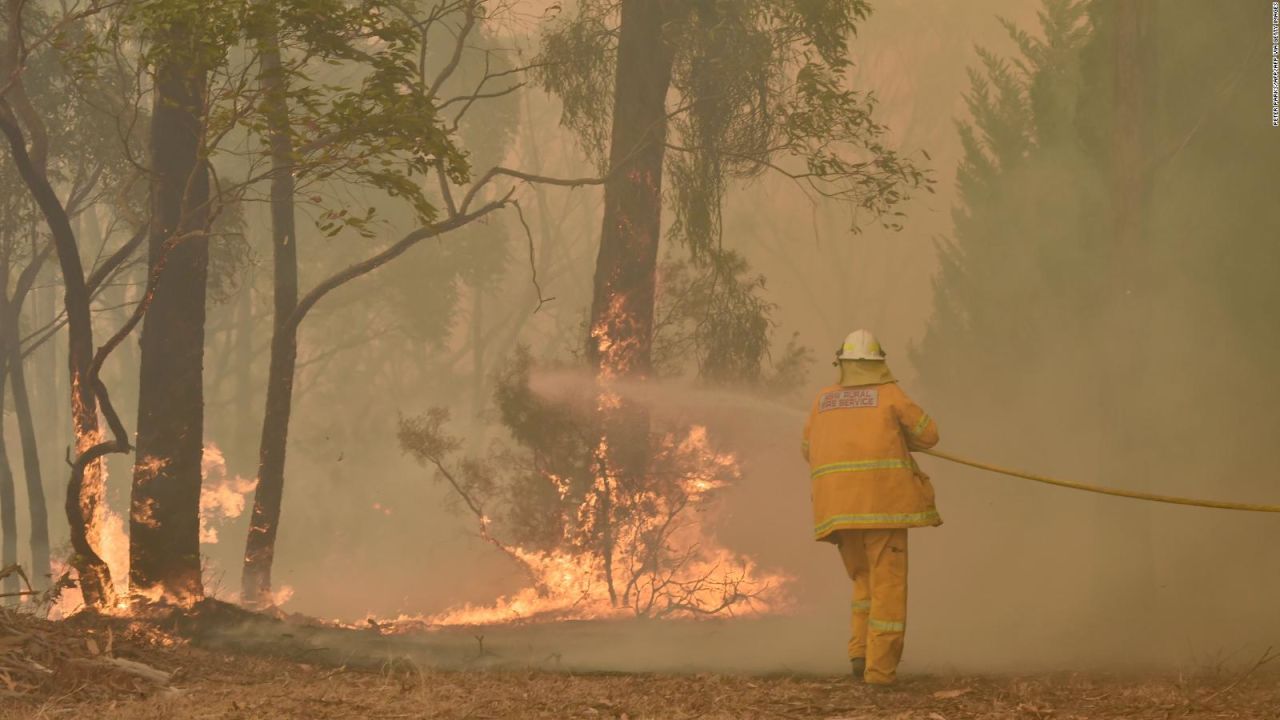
(860, 345)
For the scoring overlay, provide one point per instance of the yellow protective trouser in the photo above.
(876, 561)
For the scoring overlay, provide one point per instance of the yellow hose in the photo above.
(1104, 490)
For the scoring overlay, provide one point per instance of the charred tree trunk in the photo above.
(164, 518)
(84, 489)
(38, 510)
(260, 545)
(626, 266)
(622, 309)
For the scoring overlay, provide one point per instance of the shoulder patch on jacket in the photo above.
(849, 398)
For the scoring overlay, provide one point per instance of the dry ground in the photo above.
(70, 670)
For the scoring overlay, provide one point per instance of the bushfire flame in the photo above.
(701, 578)
(660, 559)
(222, 498)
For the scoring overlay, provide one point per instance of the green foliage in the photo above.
(714, 314)
(229, 253)
(86, 157)
(1020, 278)
(195, 34)
(558, 436)
(579, 52)
(423, 294)
(360, 105)
(1030, 281)
(759, 84)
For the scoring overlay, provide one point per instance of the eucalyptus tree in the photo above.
(398, 129)
(675, 101)
(690, 96)
(58, 127)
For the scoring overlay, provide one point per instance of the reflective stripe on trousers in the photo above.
(876, 561)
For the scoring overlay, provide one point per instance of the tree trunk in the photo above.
(477, 359)
(260, 545)
(622, 304)
(38, 510)
(243, 369)
(164, 518)
(622, 308)
(1129, 288)
(8, 499)
(85, 487)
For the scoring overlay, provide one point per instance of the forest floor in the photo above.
(171, 667)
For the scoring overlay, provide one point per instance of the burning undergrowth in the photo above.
(609, 511)
(222, 499)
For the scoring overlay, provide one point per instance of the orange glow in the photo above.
(106, 533)
(659, 558)
(699, 578)
(222, 497)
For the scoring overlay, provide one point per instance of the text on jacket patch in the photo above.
(850, 398)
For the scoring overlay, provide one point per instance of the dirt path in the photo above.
(223, 663)
(235, 687)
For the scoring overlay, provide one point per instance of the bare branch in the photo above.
(373, 263)
(468, 23)
(114, 261)
(530, 178)
(445, 192)
(533, 266)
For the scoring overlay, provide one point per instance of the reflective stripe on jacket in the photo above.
(858, 441)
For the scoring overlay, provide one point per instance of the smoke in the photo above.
(1020, 576)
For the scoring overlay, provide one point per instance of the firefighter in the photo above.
(867, 490)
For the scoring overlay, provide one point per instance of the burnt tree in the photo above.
(85, 486)
(164, 525)
(622, 303)
(260, 545)
(620, 338)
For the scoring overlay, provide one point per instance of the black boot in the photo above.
(858, 666)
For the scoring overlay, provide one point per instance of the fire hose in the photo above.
(1153, 497)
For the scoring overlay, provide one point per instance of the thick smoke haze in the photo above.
(1020, 576)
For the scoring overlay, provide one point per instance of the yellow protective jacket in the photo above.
(858, 441)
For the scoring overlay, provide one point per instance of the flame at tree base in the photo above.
(665, 563)
(720, 586)
(222, 498)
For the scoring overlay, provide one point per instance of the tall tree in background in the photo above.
(1082, 151)
(1018, 279)
(284, 346)
(21, 250)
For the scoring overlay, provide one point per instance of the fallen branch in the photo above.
(1267, 657)
(131, 667)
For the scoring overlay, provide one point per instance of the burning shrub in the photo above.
(598, 537)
